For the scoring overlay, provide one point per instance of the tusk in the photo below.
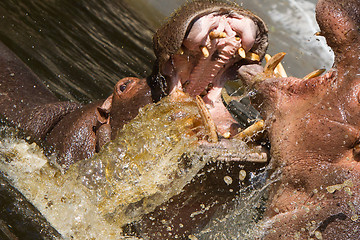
(273, 63)
(253, 56)
(205, 51)
(257, 127)
(314, 74)
(279, 68)
(208, 121)
(214, 35)
(242, 52)
(226, 97)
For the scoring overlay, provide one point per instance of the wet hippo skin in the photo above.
(75, 132)
(314, 130)
(24, 100)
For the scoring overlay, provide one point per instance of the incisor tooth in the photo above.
(208, 121)
(214, 35)
(242, 53)
(252, 56)
(205, 51)
(314, 74)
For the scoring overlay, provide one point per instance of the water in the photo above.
(80, 49)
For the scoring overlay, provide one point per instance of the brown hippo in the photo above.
(198, 50)
(314, 130)
(213, 39)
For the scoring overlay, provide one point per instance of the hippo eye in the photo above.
(123, 87)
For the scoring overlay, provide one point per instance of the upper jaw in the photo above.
(215, 47)
(219, 38)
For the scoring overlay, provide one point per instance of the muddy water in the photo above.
(80, 49)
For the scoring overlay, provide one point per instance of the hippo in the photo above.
(212, 40)
(313, 125)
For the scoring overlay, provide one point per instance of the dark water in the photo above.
(80, 49)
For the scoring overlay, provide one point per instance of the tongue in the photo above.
(225, 124)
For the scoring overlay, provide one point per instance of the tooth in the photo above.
(242, 53)
(251, 131)
(205, 51)
(225, 96)
(208, 121)
(279, 68)
(252, 56)
(214, 35)
(237, 38)
(227, 135)
(314, 74)
(273, 62)
(181, 51)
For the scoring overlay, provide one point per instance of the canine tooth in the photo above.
(279, 68)
(242, 52)
(252, 56)
(314, 74)
(214, 35)
(208, 121)
(251, 131)
(273, 62)
(205, 51)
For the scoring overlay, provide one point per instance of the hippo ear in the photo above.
(339, 22)
(102, 113)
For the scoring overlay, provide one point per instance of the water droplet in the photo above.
(228, 180)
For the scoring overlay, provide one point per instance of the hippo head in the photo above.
(313, 126)
(201, 47)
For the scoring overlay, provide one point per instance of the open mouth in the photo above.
(212, 49)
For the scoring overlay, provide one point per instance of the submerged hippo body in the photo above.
(314, 131)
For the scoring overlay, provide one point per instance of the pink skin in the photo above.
(192, 72)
